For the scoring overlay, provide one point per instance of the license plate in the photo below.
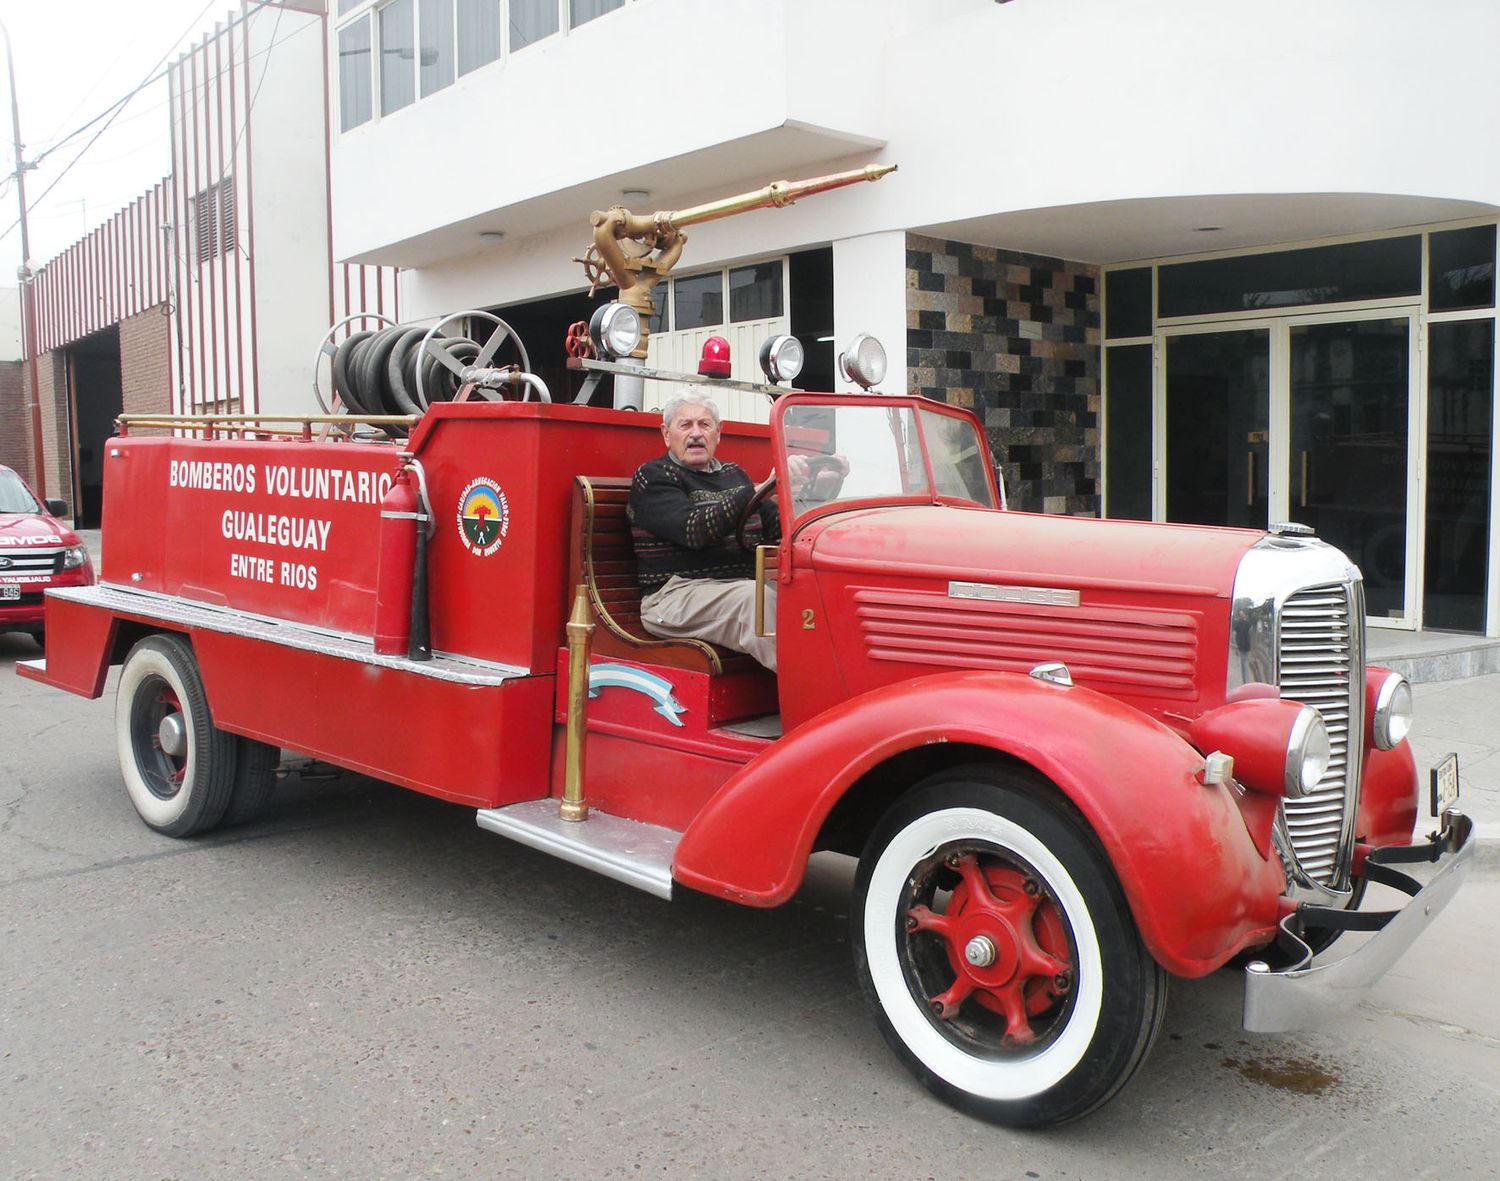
(9, 593)
(1445, 784)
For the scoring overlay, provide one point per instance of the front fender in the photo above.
(1388, 794)
(1197, 886)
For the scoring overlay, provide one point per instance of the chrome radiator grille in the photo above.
(29, 561)
(1320, 662)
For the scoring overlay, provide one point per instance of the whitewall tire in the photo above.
(998, 952)
(178, 767)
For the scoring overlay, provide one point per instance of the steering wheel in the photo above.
(752, 506)
(816, 466)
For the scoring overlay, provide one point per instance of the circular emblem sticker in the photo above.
(483, 516)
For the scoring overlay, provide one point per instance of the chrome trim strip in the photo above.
(1304, 996)
(227, 621)
(629, 851)
(1046, 596)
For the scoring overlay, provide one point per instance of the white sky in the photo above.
(74, 58)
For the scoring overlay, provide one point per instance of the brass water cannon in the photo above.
(636, 251)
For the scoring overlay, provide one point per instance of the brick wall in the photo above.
(57, 456)
(146, 363)
(1014, 337)
(15, 418)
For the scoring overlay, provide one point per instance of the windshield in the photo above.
(15, 497)
(865, 450)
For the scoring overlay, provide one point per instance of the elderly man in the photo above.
(698, 582)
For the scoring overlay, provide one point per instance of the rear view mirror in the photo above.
(56, 508)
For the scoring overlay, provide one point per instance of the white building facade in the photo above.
(1188, 262)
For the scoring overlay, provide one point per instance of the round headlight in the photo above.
(863, 362)
(1393, 710)
(1307, 754)
(781, 358)
(615, 330)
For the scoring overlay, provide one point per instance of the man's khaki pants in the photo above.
(719, 610)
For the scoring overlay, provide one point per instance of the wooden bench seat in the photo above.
(603, 559)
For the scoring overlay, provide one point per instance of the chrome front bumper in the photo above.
(1303, 995)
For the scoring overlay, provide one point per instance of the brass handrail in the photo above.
(285, 425)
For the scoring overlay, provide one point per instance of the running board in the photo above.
(637, 854)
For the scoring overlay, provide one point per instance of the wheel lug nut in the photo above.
(911, 922)
(980, 951)
(1032, 887)
(1062, 982)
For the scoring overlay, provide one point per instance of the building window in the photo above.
(212, 213)
(398, 53)
(582, 11)
(1384, 268)
(531, 20)
(435, 45)
(424, 45)
(354, 74)
(698, 301)
(756, 292)
(478, 32)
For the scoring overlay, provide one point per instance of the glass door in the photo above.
(1298, 418)
(1351, 473)
(1215, 416)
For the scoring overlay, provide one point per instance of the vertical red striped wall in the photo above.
(115, 272)
(190, 242)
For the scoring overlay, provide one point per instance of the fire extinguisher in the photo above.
(401, 624)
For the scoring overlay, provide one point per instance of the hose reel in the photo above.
(402, 369)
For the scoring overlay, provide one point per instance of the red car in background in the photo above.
(37, 552)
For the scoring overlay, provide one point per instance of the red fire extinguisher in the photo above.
(400, 583)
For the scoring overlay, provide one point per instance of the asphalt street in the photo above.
(364, 984)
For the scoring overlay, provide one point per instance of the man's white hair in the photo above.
(690, 395)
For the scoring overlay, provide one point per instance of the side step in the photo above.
(637, 854)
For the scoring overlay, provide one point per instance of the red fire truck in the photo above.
(1074, 757)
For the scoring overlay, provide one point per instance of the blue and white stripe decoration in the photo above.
(638, 680)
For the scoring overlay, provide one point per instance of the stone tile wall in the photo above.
(1014, 337)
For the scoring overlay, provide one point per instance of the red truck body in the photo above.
(911, 628)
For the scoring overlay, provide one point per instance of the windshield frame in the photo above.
(919, 407)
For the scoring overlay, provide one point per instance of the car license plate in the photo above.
(9, 593)
(1445, 784)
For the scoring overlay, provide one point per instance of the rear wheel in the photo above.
(997, 950)
(179, 768)
(254, 780)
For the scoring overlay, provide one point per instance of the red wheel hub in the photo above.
(1005, 941)
(168, 704)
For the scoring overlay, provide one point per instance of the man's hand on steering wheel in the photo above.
(762, 493)
(816, 479)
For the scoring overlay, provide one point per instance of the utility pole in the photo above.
(28, 318)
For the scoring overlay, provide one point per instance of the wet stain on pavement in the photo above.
(1300, 1075)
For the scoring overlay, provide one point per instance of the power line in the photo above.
(113, 111)
(156, 74)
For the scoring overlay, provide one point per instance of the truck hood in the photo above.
(1035, 550)
(1136, 610)
(33, 529)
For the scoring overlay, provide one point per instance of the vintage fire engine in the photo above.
(1074, 757)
